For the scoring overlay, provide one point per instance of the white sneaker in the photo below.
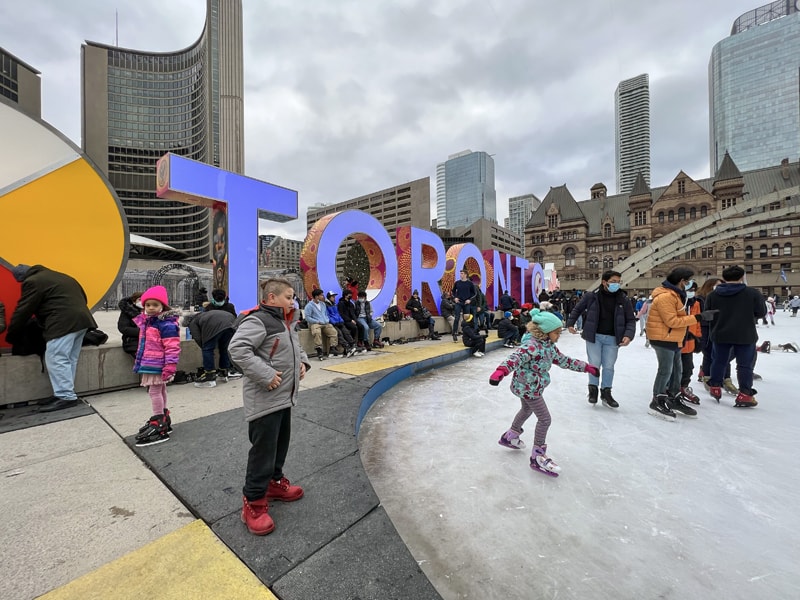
(478, 354)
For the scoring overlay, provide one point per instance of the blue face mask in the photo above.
(689, 284)
(690, 294)
(613, 287)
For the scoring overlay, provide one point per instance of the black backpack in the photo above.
(393, 313)
(95, 337)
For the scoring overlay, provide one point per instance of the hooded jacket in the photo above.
(667, 320)
(739, 306)
(57, 300)
(263, 345)
(159, 342)
(128, 311)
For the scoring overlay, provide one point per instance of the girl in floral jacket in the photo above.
(531, 366)
(157, 360)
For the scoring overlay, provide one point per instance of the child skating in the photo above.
(157, 360)
(531, 366)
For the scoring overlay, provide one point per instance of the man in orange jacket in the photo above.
(666, 329)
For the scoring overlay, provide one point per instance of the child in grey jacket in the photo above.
(266, 347)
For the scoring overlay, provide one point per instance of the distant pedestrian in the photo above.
(447, 308)
(471, 337)
(367, 323)
(267, 347)
(319, 324)
(507, 330)
(794, 305)
(157, 361)
(463, 295)
(531, 365)
(212, 330)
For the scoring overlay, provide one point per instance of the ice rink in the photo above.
(644, 508)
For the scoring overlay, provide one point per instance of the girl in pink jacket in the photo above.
(157, 360)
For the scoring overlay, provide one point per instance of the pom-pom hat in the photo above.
(546, 321)
(157, 292)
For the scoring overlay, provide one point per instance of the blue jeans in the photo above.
(603, 353)
(220, 342)
(670, 370)
(745, 360)
(376, 327)
(61, 357)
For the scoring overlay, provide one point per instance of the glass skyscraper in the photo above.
(469, 189)
(137, 106)
(754, 103)
(632, 128)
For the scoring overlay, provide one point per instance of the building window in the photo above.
(728, 252)
(748, 269)
(762, 251)
(608, 262)
(640, 217)
(707, 253)
(693, 253)
(787, 231)
(538, 257)
(766, 268)
(661, 216)
(693, 213)
(748, 252)
(728, 202)
(607, 230)
(671, 216)
(681, 186)
(786, 267)
(776, 250)
(787, 249)
(775, 232)
(569, 257)
(681, 214)
(552, 221)
(703, 211)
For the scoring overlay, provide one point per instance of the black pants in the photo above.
(354, 330)
(687, 360)
(269, 437)
(477, 345)
(344, 335)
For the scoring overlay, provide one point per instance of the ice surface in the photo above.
(644, 508)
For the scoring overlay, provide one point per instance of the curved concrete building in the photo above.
(137, 106)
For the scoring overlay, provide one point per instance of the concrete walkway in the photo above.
(89, 515)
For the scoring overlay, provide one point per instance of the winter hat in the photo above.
(157, 292)
(507, 314)
(546, 321)
(468, 318)
(20, 271)
(331, 294)
(515, 312)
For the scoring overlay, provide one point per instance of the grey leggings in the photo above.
(530, 406)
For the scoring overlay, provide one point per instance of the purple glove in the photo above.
(168, 372)
(592, 370)
(496, 377)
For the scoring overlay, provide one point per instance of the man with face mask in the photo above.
(608, 323)
(666, 329)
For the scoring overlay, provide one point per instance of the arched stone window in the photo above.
(693, 213)
(661, 216)
(703, 211)
(594, 264)
(729, 252)
(787, 249)
(607, 230)
(776, 250)
(681, 214)
(762, 251)
(671, 216)
(748, 252)
(569, 257)
(608, 262)
(538, 257)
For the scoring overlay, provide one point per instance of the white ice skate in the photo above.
(542, 463)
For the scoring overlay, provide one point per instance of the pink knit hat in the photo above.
(157, 292)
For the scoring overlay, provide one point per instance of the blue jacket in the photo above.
(317, 313)
(624, 320)
(333, 314)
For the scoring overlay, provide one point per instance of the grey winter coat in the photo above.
(263, 345)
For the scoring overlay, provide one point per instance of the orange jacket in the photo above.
(695, 329)
(667, 320)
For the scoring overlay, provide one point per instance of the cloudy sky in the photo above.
(345, 97)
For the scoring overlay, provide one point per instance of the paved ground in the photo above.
(89, 515)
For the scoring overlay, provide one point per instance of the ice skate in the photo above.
(593, 393)
(715, 391)
(677, 406)
(542, 463)
(745, 401)
(659, 408)
(688, 395)
(729, 386)
(608, 399)
(510, 439)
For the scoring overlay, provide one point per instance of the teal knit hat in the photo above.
(546, 321)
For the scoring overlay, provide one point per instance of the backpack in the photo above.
(30, 340)
(393, 313)
(95, 337)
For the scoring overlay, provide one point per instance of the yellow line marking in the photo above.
(396, 356)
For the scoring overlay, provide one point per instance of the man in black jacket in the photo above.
(609, 325)
(733, 333)
(463, 296)
(59, 303)
(347, 310)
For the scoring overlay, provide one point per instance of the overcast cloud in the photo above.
(343, 98)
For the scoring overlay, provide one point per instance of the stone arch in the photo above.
(190, 284)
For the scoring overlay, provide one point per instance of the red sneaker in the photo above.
(283, 490)
(255, 517)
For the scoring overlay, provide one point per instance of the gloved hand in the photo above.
(496, 377)
(592, 370)
(707, 315)
(168, 373)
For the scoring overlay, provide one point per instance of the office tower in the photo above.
(754, 105)
(632, 124)
(139, 105)
(469, 189)
(279, 253)
(441, 196)
(520, 209)
(20, 83)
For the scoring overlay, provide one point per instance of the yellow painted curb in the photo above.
(188, 563)
(396, 356)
